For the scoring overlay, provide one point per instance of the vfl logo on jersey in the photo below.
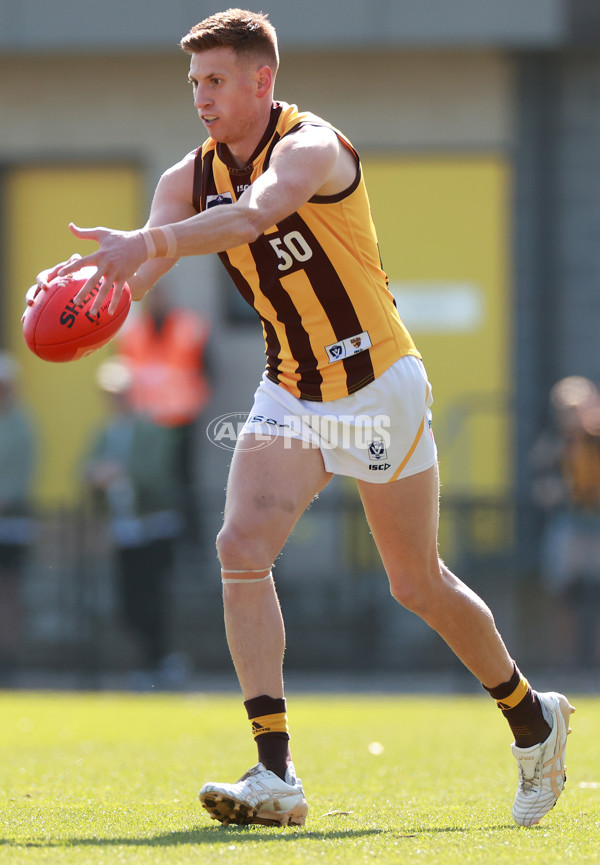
(378, 456)
(221, 198)
(347, 347)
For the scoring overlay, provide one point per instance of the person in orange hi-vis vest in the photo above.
(165, 349)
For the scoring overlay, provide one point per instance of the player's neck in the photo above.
(241, 152)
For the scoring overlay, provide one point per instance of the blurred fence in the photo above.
(334, 593)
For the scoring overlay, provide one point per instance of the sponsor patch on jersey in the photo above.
(221, 198)
(347, 347)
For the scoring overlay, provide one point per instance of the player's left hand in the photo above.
(117, 258)
(45, 277)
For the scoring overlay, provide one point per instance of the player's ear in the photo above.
(264, 81)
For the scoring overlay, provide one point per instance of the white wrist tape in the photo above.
(150, 245)
(161, 242)
(171, 239)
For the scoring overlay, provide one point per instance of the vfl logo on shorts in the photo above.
(347, 347)
(378, 456)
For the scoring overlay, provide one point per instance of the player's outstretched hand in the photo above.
(117, 258)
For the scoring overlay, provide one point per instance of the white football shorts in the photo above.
(379, 434)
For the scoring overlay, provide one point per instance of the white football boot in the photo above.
(260, 796)
(542, 774)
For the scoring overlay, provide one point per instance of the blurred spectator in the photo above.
(129, 470)
(165, 347)
(17, 465)
(566, 463)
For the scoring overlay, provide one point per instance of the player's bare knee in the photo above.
(237, 548)
(409, 597)
(418, 588)
(231, 546)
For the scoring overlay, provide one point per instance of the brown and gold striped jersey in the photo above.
(315, 279)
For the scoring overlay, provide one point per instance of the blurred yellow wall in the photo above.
(443, 225)
(39, 203)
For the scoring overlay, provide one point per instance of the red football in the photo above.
(57, 329)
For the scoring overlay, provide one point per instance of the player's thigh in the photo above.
(403, 517)
(268, 489)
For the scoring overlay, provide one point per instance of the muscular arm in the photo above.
(308, 162)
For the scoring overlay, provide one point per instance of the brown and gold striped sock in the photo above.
(522, 709)
(270, 730)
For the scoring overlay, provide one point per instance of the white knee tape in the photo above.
(230, 580)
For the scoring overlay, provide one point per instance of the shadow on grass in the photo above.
(209, 835)
(226, 835)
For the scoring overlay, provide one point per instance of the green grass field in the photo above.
(113, 778)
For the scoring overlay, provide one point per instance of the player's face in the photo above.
(225, 90)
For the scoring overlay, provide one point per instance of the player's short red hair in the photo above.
(239, 29)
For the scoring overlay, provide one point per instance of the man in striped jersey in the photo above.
(279, 194)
